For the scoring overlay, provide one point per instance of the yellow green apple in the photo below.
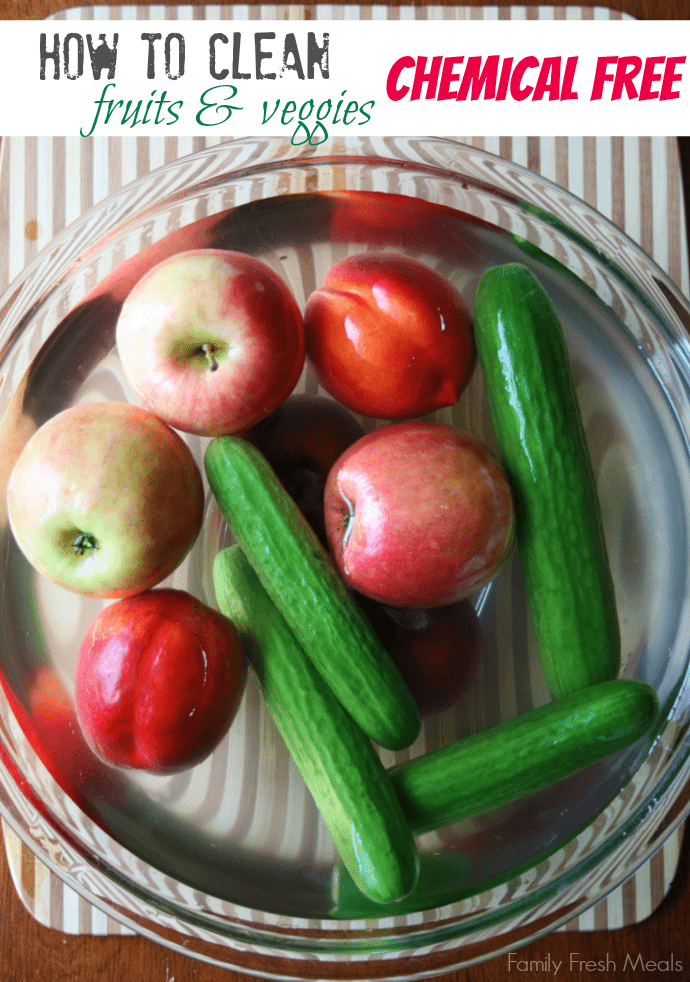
(105, 499)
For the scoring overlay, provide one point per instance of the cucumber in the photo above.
(538, 426)
(444, 878)
(523, 754)
(300, 578)
(338, 762)
(490, 769)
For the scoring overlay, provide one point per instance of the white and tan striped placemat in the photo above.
(46, 183)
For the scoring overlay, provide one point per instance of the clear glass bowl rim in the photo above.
(673, 790)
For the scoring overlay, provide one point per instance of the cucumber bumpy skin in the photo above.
(298, 575)
(524, 754)
(538, 426)
(499, 765)
(338, 762)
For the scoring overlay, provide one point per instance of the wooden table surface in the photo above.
(32, 953)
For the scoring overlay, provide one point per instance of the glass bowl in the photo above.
(230, 862)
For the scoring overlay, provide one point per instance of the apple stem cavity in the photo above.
(348, 519)
(210, 350)
(83, 542)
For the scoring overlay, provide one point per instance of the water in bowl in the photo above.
(241, 826)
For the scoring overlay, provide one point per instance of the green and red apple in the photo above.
(105, 499)
(212, 341)
(419, 514)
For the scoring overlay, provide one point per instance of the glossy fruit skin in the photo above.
(523, 754)
(437, 650)
(538, 424)
(302, 440)
(114, 473)
(419, 515)
(211, 340)
(301, 580)
(389, 337)
(159, 681)
(336, 759)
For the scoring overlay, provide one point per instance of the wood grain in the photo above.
(30, 952)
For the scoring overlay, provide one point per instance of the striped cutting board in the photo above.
(46, 183)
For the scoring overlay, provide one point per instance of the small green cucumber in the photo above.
(559, 531)
(559, 738)
(338, 762)
(300, 578)
(524, 754)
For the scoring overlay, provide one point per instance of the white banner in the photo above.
(311, 80)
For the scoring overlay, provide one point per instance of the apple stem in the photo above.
(209, 350)
(83, 542)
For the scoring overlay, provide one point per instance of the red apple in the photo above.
(105, 499)
(418, 515)
(159, 680)
(389, 336)
(211, 341)
(302, 440)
